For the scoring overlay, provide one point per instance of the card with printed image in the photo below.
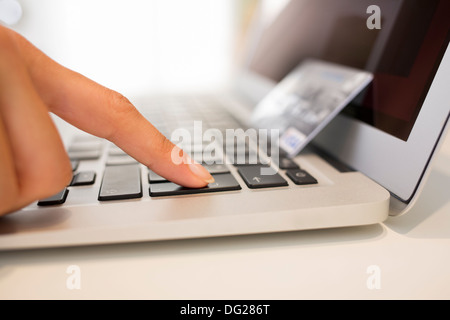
(307, 99)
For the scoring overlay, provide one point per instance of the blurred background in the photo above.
(144, 46)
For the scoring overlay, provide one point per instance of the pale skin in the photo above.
(33, 160)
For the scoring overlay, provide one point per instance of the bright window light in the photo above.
(136, 46)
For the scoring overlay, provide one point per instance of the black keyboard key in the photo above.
(121, 182)
(83, 178)
(255, 178)
(301, 177)
(56, 199)
(223, 182)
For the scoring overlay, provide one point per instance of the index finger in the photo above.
(107, 114)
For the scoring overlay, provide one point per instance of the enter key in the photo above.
(256, 178)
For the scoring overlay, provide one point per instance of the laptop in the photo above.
(368, 163)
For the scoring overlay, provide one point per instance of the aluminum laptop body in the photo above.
(369, 163)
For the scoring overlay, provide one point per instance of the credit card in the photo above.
(307, 99)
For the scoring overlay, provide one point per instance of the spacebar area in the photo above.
(121, 182)
(223, 182)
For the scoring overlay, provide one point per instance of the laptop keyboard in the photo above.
(121, 177)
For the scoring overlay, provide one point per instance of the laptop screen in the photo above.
(400, 41)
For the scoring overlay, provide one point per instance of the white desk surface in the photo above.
(411, 254)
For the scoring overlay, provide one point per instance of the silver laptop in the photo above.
(368, 163)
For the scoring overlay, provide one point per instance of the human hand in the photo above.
(33, 161)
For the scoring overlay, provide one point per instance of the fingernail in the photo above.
(201, 172)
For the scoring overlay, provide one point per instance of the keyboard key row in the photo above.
(123, 182)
